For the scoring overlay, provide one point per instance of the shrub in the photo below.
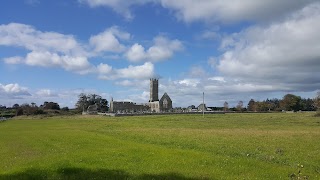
(19, 112)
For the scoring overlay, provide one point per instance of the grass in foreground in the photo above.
(230, 146)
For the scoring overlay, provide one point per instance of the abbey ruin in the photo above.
(154, 104)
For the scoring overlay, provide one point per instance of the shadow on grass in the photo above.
(80, 173)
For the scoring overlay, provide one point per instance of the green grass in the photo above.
(229, 146)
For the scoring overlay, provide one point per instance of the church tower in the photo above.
(154, 90)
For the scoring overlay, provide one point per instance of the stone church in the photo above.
(156, 105)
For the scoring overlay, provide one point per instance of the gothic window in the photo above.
(165, 103)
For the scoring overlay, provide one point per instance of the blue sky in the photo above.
(231, 50)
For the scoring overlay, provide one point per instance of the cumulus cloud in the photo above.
(197, 71)
(120, 6)
(231, 11)
(45, 93)
(50, 49)
(133, 83)
(13, 90)
(69, 63)
(210, 10)
(26, 36)
(13, 60)
(162, 49)
(285, 52)
(108, 40)
(144, 71)
(46, 48)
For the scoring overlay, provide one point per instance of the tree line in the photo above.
(85, 100)
(32, 109)
(289, 102)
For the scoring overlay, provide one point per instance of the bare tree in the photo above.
(240, 106)
(316, 101)
(252, 105)
(225, 106)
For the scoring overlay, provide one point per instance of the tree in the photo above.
(51, 105)
(26, 109)
(225, 106)
(82, 102)
(252, 106)
(274, 104)
(316, 101)
(33, 104)
(307, 104)
(15, 106)
(85, 100)
(19, 112)
(65, 109)
(291, 102)
(240, 106)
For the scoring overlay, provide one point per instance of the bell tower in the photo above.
(154, 85)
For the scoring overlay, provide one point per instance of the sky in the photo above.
(230, 50)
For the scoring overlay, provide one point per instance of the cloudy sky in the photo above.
(231, 50)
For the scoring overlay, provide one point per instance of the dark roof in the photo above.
(165, 96)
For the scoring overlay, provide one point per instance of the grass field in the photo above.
(221, 146)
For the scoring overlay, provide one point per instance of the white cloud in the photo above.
(197, 71)
(21, 35)
(212, 61)
(136, 53)
(231, 11)
(120, 6)
(210, 10)
(50, 49)
(162, 49)
(13, 90)
(209, 35)
(188, 82)
(144, 71)
(133, 83)
(13, 60)
(47, 48)
(108, 40)
(286, 52)
(47, 59)
(217, 78)
(140, 98)
(45, 93)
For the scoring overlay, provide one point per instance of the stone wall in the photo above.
(127, 107)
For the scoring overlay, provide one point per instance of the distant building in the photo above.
(127, 107)
(154, 88)
(165, 103)
(154, 104)
(91, 110)
(202, 107)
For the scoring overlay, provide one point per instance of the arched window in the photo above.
(165, 103)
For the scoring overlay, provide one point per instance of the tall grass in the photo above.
(230, 146)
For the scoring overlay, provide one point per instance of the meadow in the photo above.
(218, 146)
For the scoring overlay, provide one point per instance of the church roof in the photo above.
(165, 96)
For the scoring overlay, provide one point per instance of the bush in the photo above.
(39, 111)
(65, 109)
(19, 112)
